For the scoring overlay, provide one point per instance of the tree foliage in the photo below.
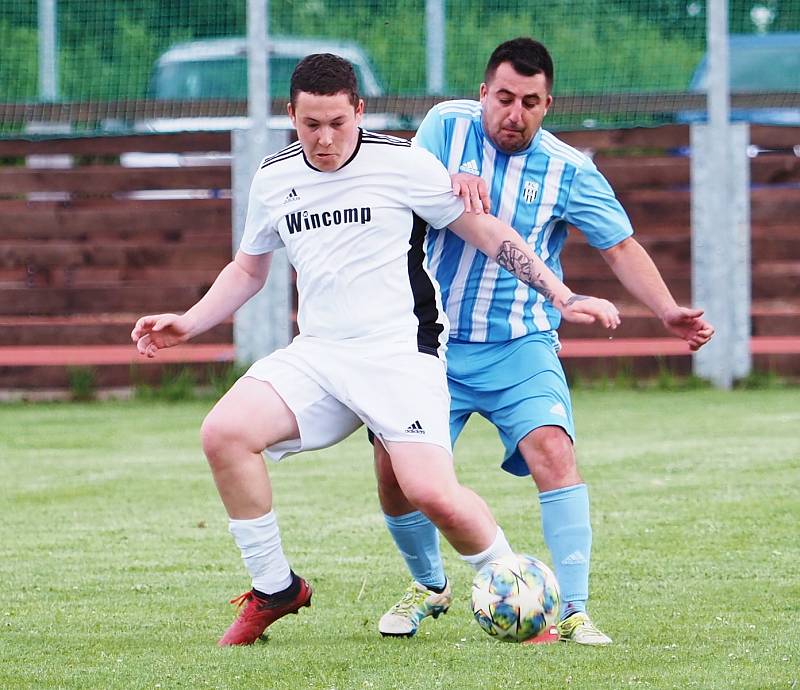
(107, 49)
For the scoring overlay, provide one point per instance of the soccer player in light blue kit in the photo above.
(502, 356)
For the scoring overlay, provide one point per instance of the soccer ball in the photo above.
(515, 598)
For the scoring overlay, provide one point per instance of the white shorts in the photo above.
(332, 387)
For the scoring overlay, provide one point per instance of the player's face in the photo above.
(513, 107)
(327, 127)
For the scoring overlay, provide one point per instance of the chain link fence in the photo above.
(126, 65)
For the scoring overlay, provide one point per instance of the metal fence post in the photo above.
(435, 45)
(721, 218)
(48, 50)
(740, 290)
(263, 324)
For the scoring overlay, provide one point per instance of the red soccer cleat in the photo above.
(256, 614)
(547, 636)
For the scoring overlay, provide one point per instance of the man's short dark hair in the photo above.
(527, 57)
(324, 74)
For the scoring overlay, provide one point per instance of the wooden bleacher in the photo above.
(83, 254)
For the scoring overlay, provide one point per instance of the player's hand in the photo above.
(473, 191)
(688, 325)
(585, 309)
(156, 332)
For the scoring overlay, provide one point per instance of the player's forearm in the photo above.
(501, 243)
(232, 288)
(636, 271)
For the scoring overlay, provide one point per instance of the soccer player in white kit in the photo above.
(351, 208)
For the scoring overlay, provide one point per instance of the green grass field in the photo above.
(116, 564)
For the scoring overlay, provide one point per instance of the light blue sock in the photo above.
(568, 535)
(418, 541)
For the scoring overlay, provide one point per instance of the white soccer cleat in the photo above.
(418, 602)
(579, 628)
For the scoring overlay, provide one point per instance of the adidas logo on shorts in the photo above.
(415, 428)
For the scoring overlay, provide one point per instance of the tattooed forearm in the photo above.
(575, 298)
(514, 260)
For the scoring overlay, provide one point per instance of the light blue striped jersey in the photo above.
(538, 191)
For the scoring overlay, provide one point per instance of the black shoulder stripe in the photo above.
(382, 135)
(284, 154)
(385, 137)
(286, 149)
(398, 142)
(288, 152)
(374, 138)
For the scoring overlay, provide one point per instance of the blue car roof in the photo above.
(759, 40)
(741, 45)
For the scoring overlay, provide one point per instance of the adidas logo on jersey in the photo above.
(292, 196)
(558, 409)
(415, 428)
(470, 167)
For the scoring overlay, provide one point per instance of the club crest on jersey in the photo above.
(530, 191)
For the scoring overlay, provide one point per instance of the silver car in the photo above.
(217, 69)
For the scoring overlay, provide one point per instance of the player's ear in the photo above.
(359, 108)
(290, 110)
(483, 92)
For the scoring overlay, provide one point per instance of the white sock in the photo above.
(260, 543)
(497, 549)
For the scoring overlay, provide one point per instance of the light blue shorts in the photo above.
(517, 385)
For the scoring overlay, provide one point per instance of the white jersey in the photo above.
(356, 238)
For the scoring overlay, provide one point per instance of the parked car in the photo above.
(758, 63)
(217, 69)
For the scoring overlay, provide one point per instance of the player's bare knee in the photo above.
(448, 520)
(438, 506)
(219, 437)
(550, 456)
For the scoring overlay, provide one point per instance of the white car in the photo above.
(217, 69)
